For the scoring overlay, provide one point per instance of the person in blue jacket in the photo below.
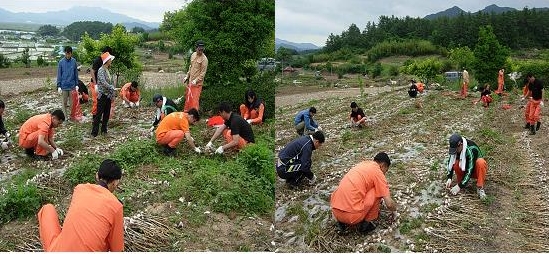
(294, 160)
(67, 79)
(304, 123)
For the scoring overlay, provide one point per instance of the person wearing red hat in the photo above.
(94, 221)
(105, 95)
(195, 77)
(467, 162)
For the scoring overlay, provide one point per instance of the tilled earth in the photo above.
(216, 232)
(415, 132)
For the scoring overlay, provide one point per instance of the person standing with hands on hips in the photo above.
(195, 77)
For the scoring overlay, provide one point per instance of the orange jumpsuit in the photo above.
(527, 107)
(359, 193)
(500, 82)
(256, 115)
(172, 129)
(463, 91)
(479, 171)
(94, 222)
(229, 138)
(32, 128)
(127, 93)
(420, 87)
(197, 71)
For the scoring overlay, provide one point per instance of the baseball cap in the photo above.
(200, 43)
(454, 141)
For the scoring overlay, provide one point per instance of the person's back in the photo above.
(94, 222)
(412, 91)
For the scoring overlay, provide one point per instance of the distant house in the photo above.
(288, 69)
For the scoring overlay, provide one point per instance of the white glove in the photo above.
(76, 88)
(541, 103)
(197, 150)
(193, 82)
(5, 145)
(219, 150)
(318, 128)
(59, 151)
(209, 145)
(455, 190)
(59, 90)
(7, 135)
(249, 121)
(137, 104)
(448, 182)
(151, 129)
(55, 155)
(132, 104)
(185, 78)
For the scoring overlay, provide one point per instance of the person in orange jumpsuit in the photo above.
(236, 131)
(174, 127)
(485, 96)
(465, 85)
(501, 81)
(94, 221)
(130, 95)
(466, 161)
(36, 135)
(357, 198)
(527, 107)
(253, 108)
(195, 76)
(535, 101)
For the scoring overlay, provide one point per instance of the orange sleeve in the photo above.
(380, 185)
(259, 118)
(116, 236)
(44, 126)
(124, 91)
(184, 123)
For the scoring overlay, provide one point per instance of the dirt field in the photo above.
(414, 132)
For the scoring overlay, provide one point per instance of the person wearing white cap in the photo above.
(467, 162)
(105, 95)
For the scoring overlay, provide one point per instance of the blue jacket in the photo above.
(304, 116)
(67, 74)
(296, 156)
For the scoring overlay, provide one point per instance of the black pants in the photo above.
(102, 115)
(293, 178)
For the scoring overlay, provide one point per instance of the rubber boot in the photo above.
(538, 125)
(532, 130)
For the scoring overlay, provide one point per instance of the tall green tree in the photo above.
(25, 57)
(48, 30)
(94, 29)
(490, 56)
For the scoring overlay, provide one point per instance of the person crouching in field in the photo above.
(130, 95)
(94, 221)
(36, 135)
(357, 199)
(294, 160)
(485, 96)
(412, 91)
(5, 142)
(174, 127)
(236, 131)
(357, 117)
(253, 108)
(467, 162)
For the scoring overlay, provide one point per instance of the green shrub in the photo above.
(134, 153)
(83, 171)
(19, 202)
(258, 160)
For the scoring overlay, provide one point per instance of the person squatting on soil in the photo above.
(105, 95)
(304, 122)
(174, 127)
(253, 108)
(412, 91)
(164, 107)
(294, 160)
(5, 142)
(465, 85)
(535, 102)
(356, 201)
(420, 87)
(67, 79)
(467, 162)
(83, 94)
(94, 221)
(485, 96)
(357, 117)
(195, 76)
(36, 135)
(236, 131)
(501, 80)
(130, 95)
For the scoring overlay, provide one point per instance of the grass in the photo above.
(410, 224)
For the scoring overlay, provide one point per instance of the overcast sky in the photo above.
(146, 10)
(313, 20)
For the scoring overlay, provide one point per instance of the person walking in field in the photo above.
(466, 161)
(294, 160)
(501, 80)
(253, 108)
(94, 221)
(535, 102)
(174, 127)
(465, 85)
(130, 95)
(36, 135)
(356, 201)
(67, 79)
(357, 117)
(195, 77)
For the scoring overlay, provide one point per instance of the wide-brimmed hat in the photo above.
(106, 57)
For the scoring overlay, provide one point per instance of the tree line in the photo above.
(515, 29)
